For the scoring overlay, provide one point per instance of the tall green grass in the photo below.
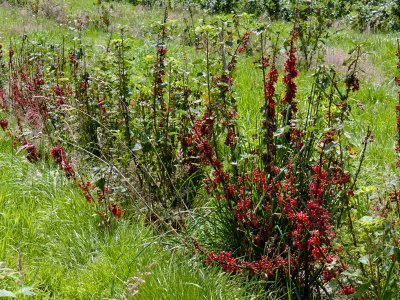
(51, 233)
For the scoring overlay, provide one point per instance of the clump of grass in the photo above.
(50, 235)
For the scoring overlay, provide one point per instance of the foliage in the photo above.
(151, 124)
(277, 199)
(374, 254)
(377, 15)
(12, 278)
(81, 261)
(312, 22)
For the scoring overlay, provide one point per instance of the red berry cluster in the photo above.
(60, 93)
(3, 124)
(58, 154)
(348, 290)
(242, 47)
(244, 43)
(308, 233)
(33, 153)
(115, 210)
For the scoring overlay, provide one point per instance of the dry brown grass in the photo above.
(337, 56)
(23, 20)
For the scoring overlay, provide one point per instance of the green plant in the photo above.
(276, 203)
(377, 15)
(312, 23)
(139, 117)
(11, 282)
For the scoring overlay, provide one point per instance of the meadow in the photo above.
(199, 149)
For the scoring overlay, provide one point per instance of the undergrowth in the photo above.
(235, 139)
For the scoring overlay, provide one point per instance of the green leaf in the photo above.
(370, 221)
(397, 253)
(347, 61)
(280, 131)
(329, 146)
(388, 295)
(259, 30)
(5, 293)
(27, 290)
(197, 61)
(347, 134)
(356, 274)
(364, 287)
(229, 43)
(311, 129)
(137, 147)
(364, 259)
(338, 127)
(101, 183)
(245, 156)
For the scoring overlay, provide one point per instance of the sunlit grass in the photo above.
(45, 219)
(64, 255)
